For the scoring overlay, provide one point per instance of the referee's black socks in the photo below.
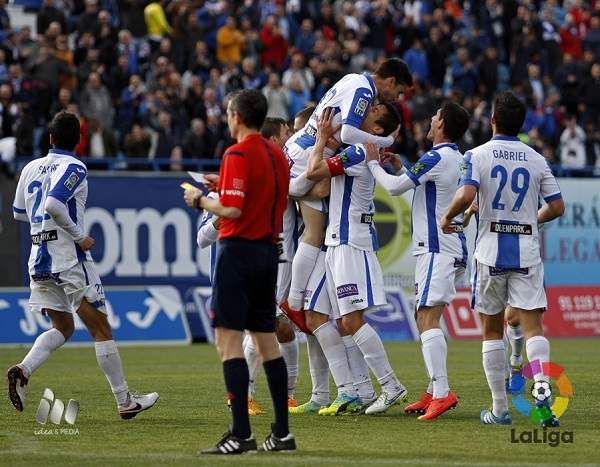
(276, 372)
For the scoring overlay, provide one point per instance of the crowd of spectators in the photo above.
(150, 79)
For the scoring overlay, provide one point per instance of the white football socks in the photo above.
(538, 348)
(372, 348)
(302, 267)
(319, 371)
(515, 337)
(335, 351)
(289, 351)
(359, 370)
(435, 353)
(494, 361)
(253, 361)
(109, 361)
(44, 345)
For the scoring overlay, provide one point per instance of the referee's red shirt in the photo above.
(254, 178)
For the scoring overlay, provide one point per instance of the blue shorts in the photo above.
(244, 286)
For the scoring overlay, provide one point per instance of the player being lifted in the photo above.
(350, 99)
(441, 259)
(51, 196)
(354, 276)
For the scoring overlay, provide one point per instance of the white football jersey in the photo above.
(288, 238)
(351, 206)
(62, 175)
(510, 177)
(436, 176)
(350, 97)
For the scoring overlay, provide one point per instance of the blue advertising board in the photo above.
(150, 315)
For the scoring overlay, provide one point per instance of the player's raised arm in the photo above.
(318, 168)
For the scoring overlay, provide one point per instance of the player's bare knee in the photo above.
(285, 333)
(353, 321)
(314, 319)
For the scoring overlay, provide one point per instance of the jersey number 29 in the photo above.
(519, 184)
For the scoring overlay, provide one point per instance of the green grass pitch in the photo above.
(191, 414)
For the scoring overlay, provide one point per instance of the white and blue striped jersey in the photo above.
(351, 206)
(436, 176)
(63, 176)
(510, 177)
(350, 98)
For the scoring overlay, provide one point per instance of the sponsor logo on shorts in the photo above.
(519, 229)
(46, 276)
(71, 181)
(307, 294)
(501, 271)
(42, 237)
(361, 107)
(460, 263)
(347, 290)
(356, 300)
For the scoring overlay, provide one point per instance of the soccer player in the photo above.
(51, 196)
(253, 188)
(507, 177)
(354, 275)
(350, 97)
(441, 259)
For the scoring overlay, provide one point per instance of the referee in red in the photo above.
(253, 188)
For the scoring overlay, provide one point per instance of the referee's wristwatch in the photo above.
(197, 199)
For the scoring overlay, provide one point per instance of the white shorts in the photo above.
(354, 279)
(494, 288)
(66, 290)
(319, 205)
(436, 276)
(316, 296)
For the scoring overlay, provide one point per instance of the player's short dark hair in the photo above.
(509, 112)
(456, 120)
(251, 105)
(390, 120)
(272, 126)
(65, 129)
(395, 68)
(304, 114)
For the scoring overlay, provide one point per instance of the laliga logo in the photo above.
(542, 391)
(57, 410)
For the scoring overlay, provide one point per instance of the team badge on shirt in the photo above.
(418, 167)
(71, 181)
(361, 107)
(238, 183)
(463, 168)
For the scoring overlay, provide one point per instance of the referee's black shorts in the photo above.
(243, 294)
